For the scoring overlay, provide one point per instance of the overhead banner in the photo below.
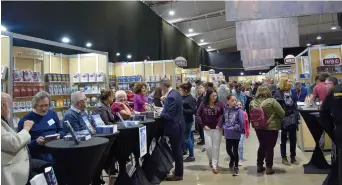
(249, 55)
(249, 10)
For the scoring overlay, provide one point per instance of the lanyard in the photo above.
(298, 95)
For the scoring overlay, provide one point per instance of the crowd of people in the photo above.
(227, 111)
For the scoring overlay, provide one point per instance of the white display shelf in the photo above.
(86, 82)
(27, 82)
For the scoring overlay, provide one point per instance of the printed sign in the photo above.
(290, 59)
(142, 141)
(211, 71)
(21, 52)
(306, 65)
(181, 62)
(331, 59)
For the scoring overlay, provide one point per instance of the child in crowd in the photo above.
(244, 134)
(233, 127)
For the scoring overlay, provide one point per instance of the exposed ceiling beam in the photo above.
(217, 41)
(202, 16)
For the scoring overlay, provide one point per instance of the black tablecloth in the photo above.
(317, 164)
(76, 164)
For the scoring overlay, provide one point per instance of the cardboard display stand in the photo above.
(31, 70)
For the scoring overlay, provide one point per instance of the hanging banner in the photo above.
(142, 141)
(306, 65)
(331, 59)
(290, 59)
(181, 62)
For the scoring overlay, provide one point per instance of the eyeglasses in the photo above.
(329, 83)
(83, 101)
(43, 106)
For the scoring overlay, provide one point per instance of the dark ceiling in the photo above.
(111, 26)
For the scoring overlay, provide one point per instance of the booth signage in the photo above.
(211, 71)
(181, 62)
(331, 59)
(142, 141)
(21, 52)
(290, 59)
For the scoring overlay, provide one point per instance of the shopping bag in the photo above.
(139, 178)
(166, 150)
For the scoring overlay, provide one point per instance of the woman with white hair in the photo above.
(120, 105)
(46, 123)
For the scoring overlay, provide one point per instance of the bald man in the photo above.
(16, 167)
(76, 115)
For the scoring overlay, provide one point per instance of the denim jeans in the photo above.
(241, 146)
(189, 139)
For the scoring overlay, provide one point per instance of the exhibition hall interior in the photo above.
(171, 92)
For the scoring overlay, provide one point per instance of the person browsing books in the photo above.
(16, 165)
(46, 124)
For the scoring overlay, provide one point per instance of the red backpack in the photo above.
(258, 117)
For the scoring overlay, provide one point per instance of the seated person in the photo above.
(119, 106)
(76, 113)
(46, 123)
(103, 107)
(16, 165)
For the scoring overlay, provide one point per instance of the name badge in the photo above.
(51, 122)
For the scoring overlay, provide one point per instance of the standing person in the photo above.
(244, 134)
(311, 87)
(319, 90)
(140, 97)
(300, 92)
(200, 99)
(237, 92)
(46, 123)
(172, 115)
(233, 128)
(209, 115)
(267, 136)
(157, 97)
(289, 123)
(189, 109)
(222, 92)
(130, 96)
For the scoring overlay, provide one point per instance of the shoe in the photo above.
(231, 165)
(189, 159)
(185, 153)
(260, 169)
(173, 178)
(215, 171)
(294, 161)
(240, 163)
(270, 171)
(200, 143)
(286, 162)
(236, 171)
(210, 164)
(203, 149)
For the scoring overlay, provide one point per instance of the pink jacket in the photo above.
(246, 123)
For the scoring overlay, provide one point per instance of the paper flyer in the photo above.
(142, 141)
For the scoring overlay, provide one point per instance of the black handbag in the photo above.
(289, 122)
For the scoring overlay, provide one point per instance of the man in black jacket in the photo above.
(331, 114)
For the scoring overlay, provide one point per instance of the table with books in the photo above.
(76, 163)
(317, 164)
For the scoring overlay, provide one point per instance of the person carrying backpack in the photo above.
(289, 124)
(266, 114)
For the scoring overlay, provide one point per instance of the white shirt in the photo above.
(170, 88)
(75, 109)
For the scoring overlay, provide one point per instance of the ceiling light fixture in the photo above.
(191, 30)
(129, 56)
(260, 73)
(65, 40)
(117, 54)
(88, 44)
(209, 47)
(333, 27)
(308, 44)
(3, 28)
(171, 12)
(318, 37)
(202, 40)
(241, 73)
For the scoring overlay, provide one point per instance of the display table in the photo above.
(317, 164)
(108, 152)
(76, 164)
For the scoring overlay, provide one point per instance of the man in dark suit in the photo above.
(173, 126)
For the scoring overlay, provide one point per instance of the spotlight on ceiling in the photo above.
(88, 44)
(308, 44)
(3, 28)
(202, 40)
(333, 27)
(260, 73)
(129, 56)
(209, 47)
(241, 73)
(191, 30)
(65, 40)
(117, 54)
(318, 37)
(171, 12)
